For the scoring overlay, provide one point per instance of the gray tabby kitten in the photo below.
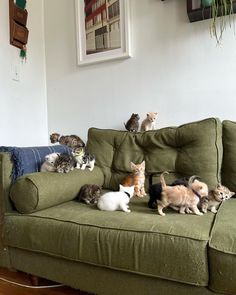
(89, 193)
(64, 163)
(132, 124)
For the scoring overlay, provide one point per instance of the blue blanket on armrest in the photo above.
(29, 159)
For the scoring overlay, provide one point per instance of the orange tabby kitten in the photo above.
(136, 178)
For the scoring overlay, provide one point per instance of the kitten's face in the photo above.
(152, 116)
(135, 117)
(94, 195)
(51, 158)
(77, 151)
(54, 137)
(127, 189)
(138, 168)
(222, 193)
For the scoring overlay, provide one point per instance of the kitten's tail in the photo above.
(162, 180)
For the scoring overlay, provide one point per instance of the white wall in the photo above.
(23, 104)
(176, 70)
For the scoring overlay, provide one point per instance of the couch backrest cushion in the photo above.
(229, 155)
(191, 149)
(37, 191)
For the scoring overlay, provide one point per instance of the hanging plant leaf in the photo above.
(207, 3)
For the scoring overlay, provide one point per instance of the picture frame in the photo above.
(102, 30)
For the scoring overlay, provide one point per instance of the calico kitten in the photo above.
(89, 193)
(216, 196)
(83, 159)
(64, 163)
(113, 201)
(132, 124)
(71, 141)
(149, 122)
(49, 163)
(136, 178)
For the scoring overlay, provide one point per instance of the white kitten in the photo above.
(49, 163)
(113, 201)
(149, 122)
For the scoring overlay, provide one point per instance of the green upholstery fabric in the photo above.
(37, 191)
(229, 155)
(141, 242)
(194, 148)
(222, 253)
(98, 280)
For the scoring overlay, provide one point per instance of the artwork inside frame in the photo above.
(103, 30)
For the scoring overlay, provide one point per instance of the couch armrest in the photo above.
(37, 191)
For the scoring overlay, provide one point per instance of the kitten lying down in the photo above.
(181, 196)
(113, 201)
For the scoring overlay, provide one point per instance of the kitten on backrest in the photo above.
(132, 124)
(89, 193)
(215, 197)
(83, 159)
(149, 122)
(64, 163)
(113, 201)
(136, 178)
(49, 163)
(71, 141)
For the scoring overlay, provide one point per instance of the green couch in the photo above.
(47, 233)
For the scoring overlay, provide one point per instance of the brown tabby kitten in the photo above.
(71, 141)
(136, 178)
(132, 124)
(64, 163)
(89, 193)
(215, 197)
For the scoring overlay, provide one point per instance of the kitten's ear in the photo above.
(148, 114)
(218, 185)
(232, 193)
(143, 164)
(132, 165)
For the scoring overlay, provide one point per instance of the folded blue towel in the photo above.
(29, 159)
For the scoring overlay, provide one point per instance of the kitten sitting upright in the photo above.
(83, 158)
(216, 196)
(132, 124)
(136, 178)
(113, 201)
(149, 122)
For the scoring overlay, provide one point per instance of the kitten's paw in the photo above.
(128, 211)
(213, 210)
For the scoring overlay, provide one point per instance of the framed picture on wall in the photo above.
(103, 30)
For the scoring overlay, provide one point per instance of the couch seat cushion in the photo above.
(173, 247)
(222, 252)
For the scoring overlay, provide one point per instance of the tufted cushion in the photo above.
(194, 148)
